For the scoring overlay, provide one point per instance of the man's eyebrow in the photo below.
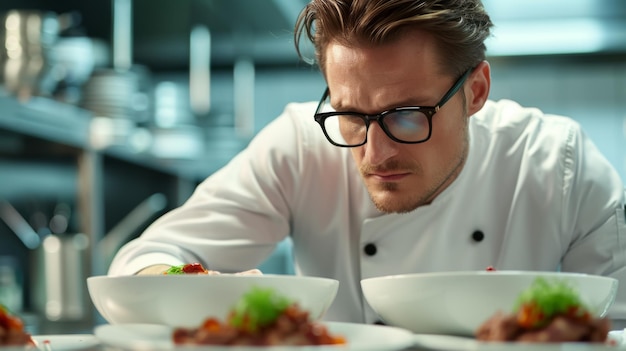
(408, 102)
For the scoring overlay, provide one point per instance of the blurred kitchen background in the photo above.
(111, 111)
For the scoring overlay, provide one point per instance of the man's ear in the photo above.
(477, 87)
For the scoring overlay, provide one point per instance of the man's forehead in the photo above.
(420, 45)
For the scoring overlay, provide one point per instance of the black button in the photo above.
(370, 249)
(478, 236)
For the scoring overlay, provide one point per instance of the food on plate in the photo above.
(189, 268)
(547, 312)
(261, 317)
(198, 268)
(12, 331)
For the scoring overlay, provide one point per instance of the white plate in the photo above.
(360, 337)
(67, 342)
(59, 343)
(18, 348)
(455, 343)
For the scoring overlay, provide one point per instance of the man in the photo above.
(417, 172)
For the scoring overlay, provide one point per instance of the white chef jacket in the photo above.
(537, 190)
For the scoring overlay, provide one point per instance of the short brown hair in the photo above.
(460, 27)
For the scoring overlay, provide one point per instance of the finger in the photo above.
(250, 272)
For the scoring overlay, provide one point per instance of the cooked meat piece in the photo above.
(504, 328)
(291, 328)
(600, 329)
(500, 327)
(560, 329)
(12, 331)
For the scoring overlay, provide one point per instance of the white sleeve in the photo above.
(235, 218)
(593, 202)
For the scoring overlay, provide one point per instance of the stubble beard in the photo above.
(388, 197)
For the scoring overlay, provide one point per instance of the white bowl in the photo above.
(457, 303)
(187, 300)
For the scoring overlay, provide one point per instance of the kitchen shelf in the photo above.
(46, 119)
(69, 125)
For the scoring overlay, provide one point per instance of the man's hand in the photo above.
(250, 272)
(159, 269)
(154, 270)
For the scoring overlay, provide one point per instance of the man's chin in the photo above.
(393, 202)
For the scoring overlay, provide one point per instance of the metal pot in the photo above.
(59, 279)
(62, 262)
(57, 268)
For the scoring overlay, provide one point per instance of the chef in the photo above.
(403, 166)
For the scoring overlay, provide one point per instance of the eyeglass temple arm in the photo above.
(457, 85)
(324, 96)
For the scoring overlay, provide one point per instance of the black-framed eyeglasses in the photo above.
(408, 125)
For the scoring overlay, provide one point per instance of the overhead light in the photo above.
(541, 37)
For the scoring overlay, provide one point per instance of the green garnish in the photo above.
(551, 297)
(175, 270)
(258, 308)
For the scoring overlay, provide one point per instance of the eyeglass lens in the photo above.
(404, 125)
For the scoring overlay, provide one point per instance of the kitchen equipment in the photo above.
(71, 61)
(58, 286)
(26, 37)
(62, 261)
(118, 235)
(10, 284)
(118, 94)
(57, 272)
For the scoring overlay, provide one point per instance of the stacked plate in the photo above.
(116, 94)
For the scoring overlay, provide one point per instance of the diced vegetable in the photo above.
(175, 270)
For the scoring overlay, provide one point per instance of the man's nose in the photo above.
(379, 147)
